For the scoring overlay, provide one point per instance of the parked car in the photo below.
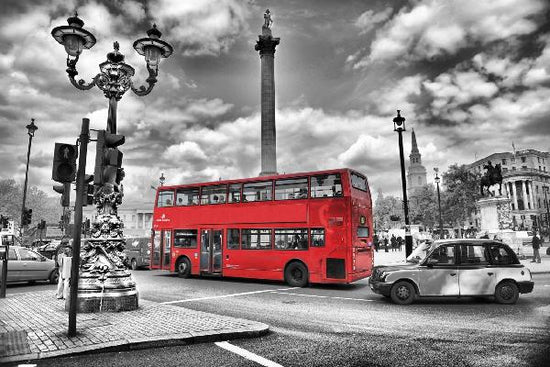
(138, 251)
(458, 267)
(25, 265)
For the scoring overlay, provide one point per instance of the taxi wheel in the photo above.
(403, 293)
(183, 267)
(54, 276)
(507, 293)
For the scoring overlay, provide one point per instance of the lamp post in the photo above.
(437, 180)
(399, 126)
(105, 281)
(162, 179)
(31, 129)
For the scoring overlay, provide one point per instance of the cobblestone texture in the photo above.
(43, 320)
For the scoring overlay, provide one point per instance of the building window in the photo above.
(523, 167)
(504, 162)
(523, 159)
(513, 168)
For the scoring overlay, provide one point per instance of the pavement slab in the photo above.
(34, 326)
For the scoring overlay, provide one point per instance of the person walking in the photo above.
(65, 261)
(393, 242)
(536, 246)
(376, 241)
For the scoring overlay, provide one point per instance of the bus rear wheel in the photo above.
(183, 267)
(296, 275)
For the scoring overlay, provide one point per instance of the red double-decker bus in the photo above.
(313, 227)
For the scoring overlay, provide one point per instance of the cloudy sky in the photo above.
(471, 78)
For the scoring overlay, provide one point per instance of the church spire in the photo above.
(417, 172)
(414, 146)
(415, 157)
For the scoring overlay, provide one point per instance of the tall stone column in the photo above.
(524, 192)
(515, 195)
(266, 46)
(532, 195)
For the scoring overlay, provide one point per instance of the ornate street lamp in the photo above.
(399, 126)
(105, 283)
(26, 215)
(162, 179)
(437, 180)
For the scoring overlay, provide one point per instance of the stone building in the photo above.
(525, 181)
(416, 174)
(137, 217)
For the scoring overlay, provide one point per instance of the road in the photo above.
(344, 325)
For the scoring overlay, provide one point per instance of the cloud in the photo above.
(433, 28)
(207, 27)
(370, 19)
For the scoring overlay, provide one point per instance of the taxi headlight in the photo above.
(383, 276)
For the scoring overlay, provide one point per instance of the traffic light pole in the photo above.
(75, 266)
(23, 209)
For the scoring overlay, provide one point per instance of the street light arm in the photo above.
(151, 81)
(72, 72)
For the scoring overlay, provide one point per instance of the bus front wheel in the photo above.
(296, 275)
(183, 267)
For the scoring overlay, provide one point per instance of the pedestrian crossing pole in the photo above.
(75, 266)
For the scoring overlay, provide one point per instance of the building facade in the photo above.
(416, 174)
(136, 216)
(525, 181)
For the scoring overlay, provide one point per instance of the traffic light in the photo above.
(88, 191)
(42, 225)
(26, 218)
(108, 160)
(64, 190)
(4, 223)
(64, 162)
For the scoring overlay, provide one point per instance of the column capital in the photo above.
(266, 44)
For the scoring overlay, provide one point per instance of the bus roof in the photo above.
(260, 178)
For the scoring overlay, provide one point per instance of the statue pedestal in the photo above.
(495, 214)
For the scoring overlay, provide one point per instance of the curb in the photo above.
(145, 343)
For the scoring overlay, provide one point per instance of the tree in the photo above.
(386, 208)
(423, 206)
(43, 207)
(458, 200)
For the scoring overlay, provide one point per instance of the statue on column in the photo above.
(492, 176)
(267, 19)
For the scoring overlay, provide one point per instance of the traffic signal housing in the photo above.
(108, 161)
(64, 190)
(88, 191)
(64, 162)
(26, 218)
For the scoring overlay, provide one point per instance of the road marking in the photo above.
(248, 355)
(330, 297)
(226, 295)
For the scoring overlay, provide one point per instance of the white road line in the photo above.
(330, 297)
(248, 355)
(226, 295)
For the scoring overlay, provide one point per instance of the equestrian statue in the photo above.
(492, 176)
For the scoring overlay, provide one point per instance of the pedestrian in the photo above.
(536, 246)
(386, 244)
(65, 262)
(376, 241)
(393, 242)
(399, 242)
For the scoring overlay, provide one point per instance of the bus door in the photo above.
(161, 255)
(211, 251)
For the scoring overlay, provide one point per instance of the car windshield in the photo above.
(420, 252)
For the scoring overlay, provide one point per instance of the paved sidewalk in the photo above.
(381, 257)
(34, 326)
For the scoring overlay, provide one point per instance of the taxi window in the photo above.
(444, 255)
(12, 255)
(501, 255)
(473, 255)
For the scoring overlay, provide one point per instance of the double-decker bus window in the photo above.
(187, 197)
(359, 182)
(213, 194)
(235, 193)
(326, 186)
(291, 239)
(233, 239)
(317, 237)
(166, 198)
(257, 191)
(362, 231)
(256, 239)
(289, 189)
(185, 238)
